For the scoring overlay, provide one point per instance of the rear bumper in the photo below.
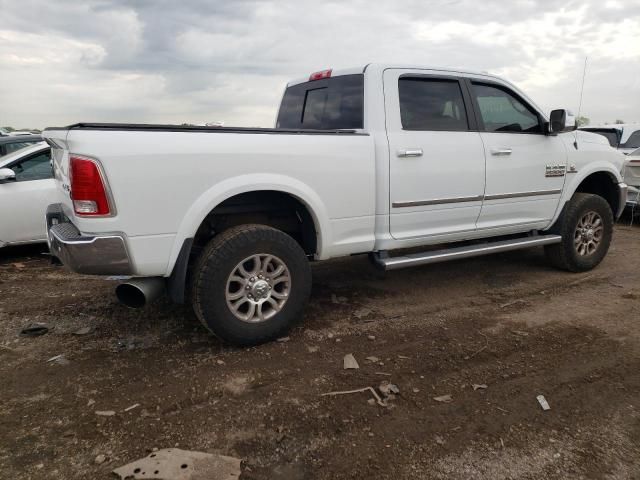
(95, 255)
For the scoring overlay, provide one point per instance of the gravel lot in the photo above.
(509, 322)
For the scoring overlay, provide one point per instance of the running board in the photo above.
(456, 253)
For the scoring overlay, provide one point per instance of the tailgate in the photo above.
(57, 139)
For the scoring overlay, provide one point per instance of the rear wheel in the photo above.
(586, 229)
(250, 284)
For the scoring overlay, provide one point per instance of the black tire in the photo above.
(222, 257)
(566, 255)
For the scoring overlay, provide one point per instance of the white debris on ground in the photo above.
(350, 362)
(543, 402)
(177, 464)
(105, 413)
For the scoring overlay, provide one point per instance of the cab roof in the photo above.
(383, 66)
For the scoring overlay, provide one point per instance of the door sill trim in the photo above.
(455, 253)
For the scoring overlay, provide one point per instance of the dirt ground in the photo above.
(509, 322)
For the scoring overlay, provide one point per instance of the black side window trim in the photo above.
(469, 82)
(466, 98)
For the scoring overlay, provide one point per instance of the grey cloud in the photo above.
(202, 60)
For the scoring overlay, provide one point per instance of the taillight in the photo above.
(88, 190)
(320, 75)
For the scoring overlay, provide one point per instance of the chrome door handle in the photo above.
(501, 151)
(410, 152)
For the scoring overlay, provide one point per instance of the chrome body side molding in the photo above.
(477, 198)
(437, 201)
(501, 196)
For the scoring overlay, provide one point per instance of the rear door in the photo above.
(23, 203)
(525, 167)
(436, 157)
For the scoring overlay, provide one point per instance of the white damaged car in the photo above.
(26, 188)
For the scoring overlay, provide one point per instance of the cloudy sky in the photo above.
(200, 61)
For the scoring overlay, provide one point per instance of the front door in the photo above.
(525, 167)
(436, 159)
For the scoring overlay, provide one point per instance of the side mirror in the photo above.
(561, 120)
(7, 175)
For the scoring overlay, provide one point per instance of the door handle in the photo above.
(410, 152)
(500, 152)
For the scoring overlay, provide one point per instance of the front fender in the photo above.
(573, 181)
(230, 187)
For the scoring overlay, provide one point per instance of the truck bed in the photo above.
(150, 127)
(165, 179)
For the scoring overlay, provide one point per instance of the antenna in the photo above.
(584, 74)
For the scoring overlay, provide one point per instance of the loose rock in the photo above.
(443, 398)
(388, 389)
(362, 312)
(83, 331)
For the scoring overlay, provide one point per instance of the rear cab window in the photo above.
(328, 104)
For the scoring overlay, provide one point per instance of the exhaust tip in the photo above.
(130, 295)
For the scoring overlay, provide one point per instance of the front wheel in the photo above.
(586, 228)
(251, 284)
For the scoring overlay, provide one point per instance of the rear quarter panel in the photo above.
(165, 183)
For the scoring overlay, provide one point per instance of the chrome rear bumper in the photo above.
(95, 255)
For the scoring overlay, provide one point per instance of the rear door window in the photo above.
(432, 104)
(328, 104)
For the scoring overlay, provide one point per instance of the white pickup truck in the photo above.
(366, 160)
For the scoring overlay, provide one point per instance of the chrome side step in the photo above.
(455, 253)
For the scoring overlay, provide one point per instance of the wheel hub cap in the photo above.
(260, 289)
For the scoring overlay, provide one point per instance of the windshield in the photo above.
(633, 141)
(30, 148)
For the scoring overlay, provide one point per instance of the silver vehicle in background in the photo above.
(632, 178)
